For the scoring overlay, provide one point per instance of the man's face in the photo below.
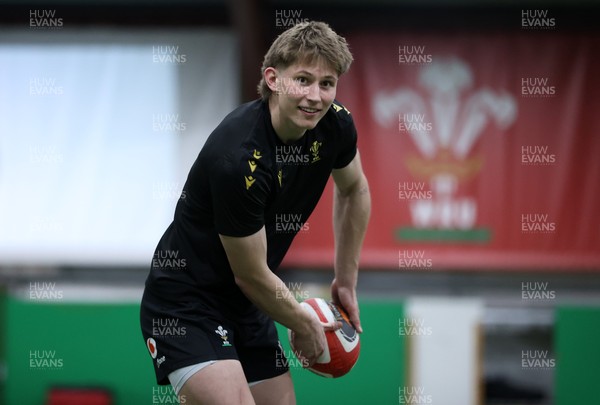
(304, 92)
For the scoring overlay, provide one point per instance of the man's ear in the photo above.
(270, 76)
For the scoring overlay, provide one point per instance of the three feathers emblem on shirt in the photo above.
(314, 149)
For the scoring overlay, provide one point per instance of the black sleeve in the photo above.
(347, 140)
(238, 197)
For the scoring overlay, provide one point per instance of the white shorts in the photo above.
(181, 375)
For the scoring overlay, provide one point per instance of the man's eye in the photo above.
(327, 83)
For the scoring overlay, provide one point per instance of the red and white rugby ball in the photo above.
(343, 345)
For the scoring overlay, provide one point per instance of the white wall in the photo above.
(97, 132)
(444, 351)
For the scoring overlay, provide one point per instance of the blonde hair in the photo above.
(306, 41)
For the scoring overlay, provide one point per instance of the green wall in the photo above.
(2, 340)
(577, 345)
(100, 345)
(380, 369)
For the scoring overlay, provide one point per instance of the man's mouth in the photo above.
(309, 110)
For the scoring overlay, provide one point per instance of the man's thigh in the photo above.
(274, 391)
(222, 383)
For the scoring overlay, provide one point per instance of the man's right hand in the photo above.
(309, 343)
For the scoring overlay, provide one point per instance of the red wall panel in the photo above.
(482, 152)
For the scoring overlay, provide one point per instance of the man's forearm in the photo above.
(247, 257)
(272, 296)
(351, 212)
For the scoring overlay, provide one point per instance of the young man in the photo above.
(211, 295)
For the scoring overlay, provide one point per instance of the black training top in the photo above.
(245, 178)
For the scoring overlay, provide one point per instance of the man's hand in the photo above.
(346, 298)
(309, 344)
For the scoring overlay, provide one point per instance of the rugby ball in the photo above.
(343, 345)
